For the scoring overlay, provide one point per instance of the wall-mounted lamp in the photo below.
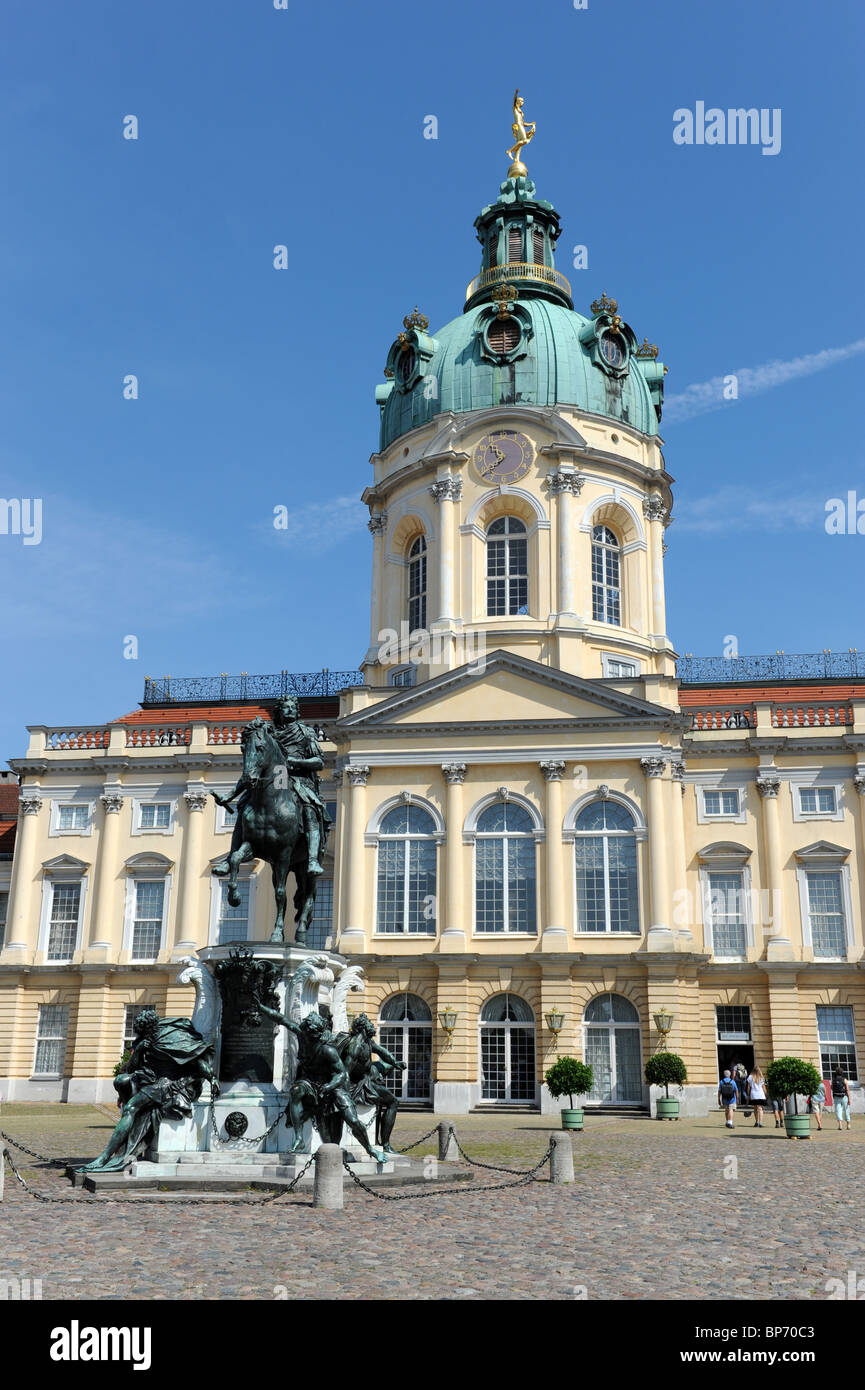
(448, 1020)
(664, 1023)
(555, 1023)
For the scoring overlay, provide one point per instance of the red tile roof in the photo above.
(773, 694)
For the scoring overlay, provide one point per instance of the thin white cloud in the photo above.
(322, 525)
(734, 509)
(704, 396)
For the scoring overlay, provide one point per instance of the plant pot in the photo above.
(572, 1119)
(668, 1108)
(798, 1126)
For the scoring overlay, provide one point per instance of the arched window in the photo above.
(405, 1029)
(507, 567)
(606, 577)
(405, 901)
(507, 1029)
(417, 585)
(611, 1047)
(606, 858)
(505, 871)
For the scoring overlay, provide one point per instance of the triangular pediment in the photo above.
(505, 689)
(65, 864)
(822, 850)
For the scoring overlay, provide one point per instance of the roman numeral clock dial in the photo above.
(504, 456)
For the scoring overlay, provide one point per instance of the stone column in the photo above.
(189, 931)
(778, 946)
(566, 485)
(353, 935)
(378, 526)
(444, 490)
(22, 930)
(859, 784)
(453, 934)
(555, 933)
(654, 511)
(104, 939)
(682, 924)
(658, 841)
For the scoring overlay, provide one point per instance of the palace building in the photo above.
(549, 829)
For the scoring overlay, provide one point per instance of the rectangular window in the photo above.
(826, 914)
(321, 926)
(734, 1022)
(154, 815)
(233, 923)
(538, 245)
(147, 924)
(73, 817)
(130, 1014)
(726, 911)
(4, 912)
(837, 1040)
(621, 670)
(51, 1030)
(607, 899)
(505, 886)
(721, 803)
(817, 801)
(405, 676)
(63, 926)
(515, 244)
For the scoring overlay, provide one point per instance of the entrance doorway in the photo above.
(733, 1027)
(611, 1047)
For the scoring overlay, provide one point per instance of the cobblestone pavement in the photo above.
(684, 1210)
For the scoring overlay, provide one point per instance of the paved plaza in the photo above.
(658, 1210)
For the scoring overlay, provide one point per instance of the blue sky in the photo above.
(305, 127)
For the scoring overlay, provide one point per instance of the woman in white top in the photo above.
(757, 1085)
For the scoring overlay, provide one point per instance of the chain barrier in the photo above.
(157, 1201)
(491, 1167)
(31, 1153)
(418, 1141)
(238, 1145)
(522, 1181)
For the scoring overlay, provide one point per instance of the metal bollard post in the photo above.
(562, 1158)
(448, 1151)
(327, 1191)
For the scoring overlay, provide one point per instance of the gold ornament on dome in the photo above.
(504, 296)
(604, 305)
(523, 133)
(647, 349)
(416, 320)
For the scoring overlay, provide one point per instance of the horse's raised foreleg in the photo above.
(279, 874)
(235, 859)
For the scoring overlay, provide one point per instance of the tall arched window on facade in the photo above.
(507, 567)
(417, 585)
(606, 576)
(505, 870)
(405, 1029)
(606, 858)
(611, 1047)
(507, 1029)
(406, 890)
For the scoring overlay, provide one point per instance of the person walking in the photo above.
(757, 1094)
(817, 1103)
(740, 1076)
(777, 1112)
(841, 1097)
(728, 1094)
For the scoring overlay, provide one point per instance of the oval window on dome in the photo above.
(613, 349)
(405, 365)
(503, 335)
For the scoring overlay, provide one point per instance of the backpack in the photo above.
(729, 1090)
(839, 1089)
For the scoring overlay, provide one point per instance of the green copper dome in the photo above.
(519, 340)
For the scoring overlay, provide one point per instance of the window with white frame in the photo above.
(232, 923)
(63, 920)
(406, 877)
(505, 870)
(605, 847)
(507, 1039)
(417, 570)
(154, 815)
(817, 801)
(720, 801)
(148, 907)
(403, 675)
(733, 1022)
(616, 668)
(4, 913)
(130, 1014)
(837, 1040)
(725, 912)
(51, 1030)
(73, 815)
(321, 923)
(507, 567)
(225, 817)
(826, 917)
(606, 577)
(405, 1029)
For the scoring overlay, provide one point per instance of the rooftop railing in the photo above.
(707, 670)
(180, 690)
(518, 270)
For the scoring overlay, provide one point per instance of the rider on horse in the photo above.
(300, 750)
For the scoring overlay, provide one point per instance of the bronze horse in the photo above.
(272, 828)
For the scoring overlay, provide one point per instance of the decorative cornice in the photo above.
(653, 767)
(447, 490)
(563, 481)
(768, 786)
(377, 523)
(112, 802)
(553, 770)
(358, 774)
(653, 507)
(455, 773)
(195, 800)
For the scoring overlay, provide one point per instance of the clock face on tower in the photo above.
(504, 456)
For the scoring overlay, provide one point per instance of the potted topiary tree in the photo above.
(790, 1076)
(568, 1077)
(666, 1069)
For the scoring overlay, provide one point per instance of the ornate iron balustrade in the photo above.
(176, 690)
(709, 670)
(517, 270)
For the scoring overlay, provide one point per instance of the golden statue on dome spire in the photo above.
(523, 133)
